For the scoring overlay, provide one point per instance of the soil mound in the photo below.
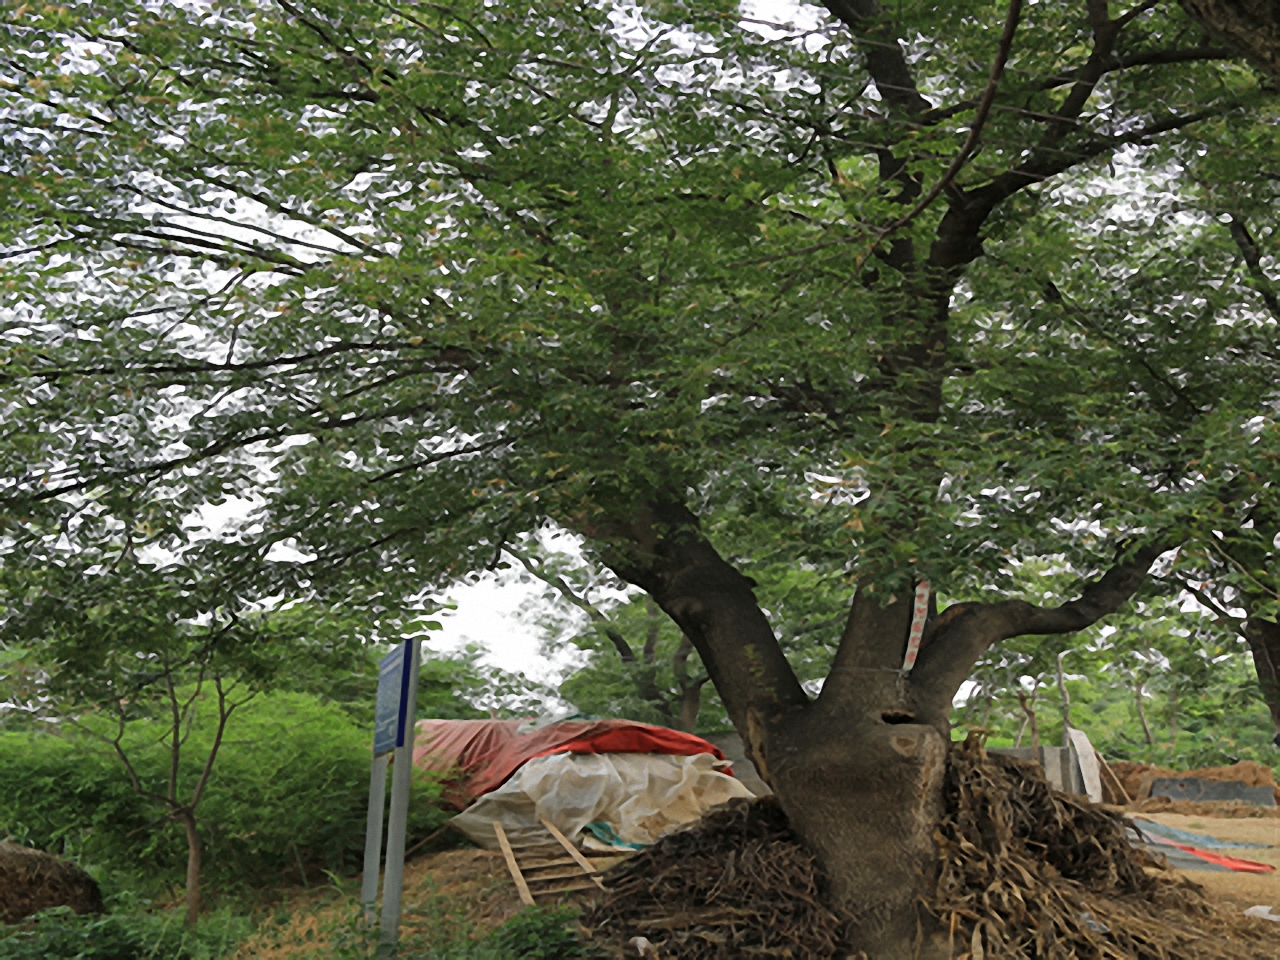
(1137, 777)
(1226, 809)
(32, 880)
(1024, 872)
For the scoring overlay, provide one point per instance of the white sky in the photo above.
(487, 614)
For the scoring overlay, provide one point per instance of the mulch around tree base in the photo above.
(1025, 871)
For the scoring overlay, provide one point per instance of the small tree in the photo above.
(136, 666)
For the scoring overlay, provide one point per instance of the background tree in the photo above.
(147, 653)
(891, 299)
(638, 664)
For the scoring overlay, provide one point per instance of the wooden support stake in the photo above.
(525, 896)
(582, 861)
(423, 842)
(1124, 794)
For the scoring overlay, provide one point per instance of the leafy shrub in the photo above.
(440, 929)
(289, 792)
(540, 933)
(60, 934)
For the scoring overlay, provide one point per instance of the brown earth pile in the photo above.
(1137, 777)
(1025, 872)
(1225, 809)
(32, 880)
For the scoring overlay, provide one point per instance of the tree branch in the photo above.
(1146, 58)
(659, 547)
(1253, 261)
(885, 61)
(601, 622)
(224, 714)
(958, 243)
(1012, 16)
(946, 662)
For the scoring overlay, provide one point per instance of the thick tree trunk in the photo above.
(1264, 643)
(1250, 27)
(859, 772)
(860, 777)
(865, 793)
(192, 898)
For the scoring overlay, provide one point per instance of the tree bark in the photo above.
(690, 706)
(860, 778)
(1065, 694)
(1263, 637)
(1250, 27)
(192, 895)
(1138, 691)
(690, 690)
(1028, 703)
(858, 771)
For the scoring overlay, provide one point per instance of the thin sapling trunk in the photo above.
(1066, 701)
(178, 807)
(1139, 692)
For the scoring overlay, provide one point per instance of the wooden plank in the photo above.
(529, 871)
(525, 896)
(569, 888)
(1124, 794)
(543, 864)
(554, 877)
(572, 851)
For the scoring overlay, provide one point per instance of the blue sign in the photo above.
(390, 720)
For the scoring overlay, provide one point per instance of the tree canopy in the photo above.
(418, 279)
(726, 292)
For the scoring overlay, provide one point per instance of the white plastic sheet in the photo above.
(641, 796)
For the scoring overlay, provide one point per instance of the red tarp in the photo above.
(481, 754)
(1222, 860)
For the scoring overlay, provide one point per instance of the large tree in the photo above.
(887, 299)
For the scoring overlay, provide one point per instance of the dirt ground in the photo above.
(448, 894)
(1240, 890)
(468, 892)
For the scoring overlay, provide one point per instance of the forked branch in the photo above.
(946, 662)
(975, 127)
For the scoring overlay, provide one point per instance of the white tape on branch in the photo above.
(918, 616)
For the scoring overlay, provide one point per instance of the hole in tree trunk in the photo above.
(898, 716)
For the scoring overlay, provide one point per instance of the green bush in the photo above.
(60, 934)
(541, 933)
(289, 791)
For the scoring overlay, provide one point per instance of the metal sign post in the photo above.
(373, 839)
(392, 733)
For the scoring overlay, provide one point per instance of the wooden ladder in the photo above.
(546, 868)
